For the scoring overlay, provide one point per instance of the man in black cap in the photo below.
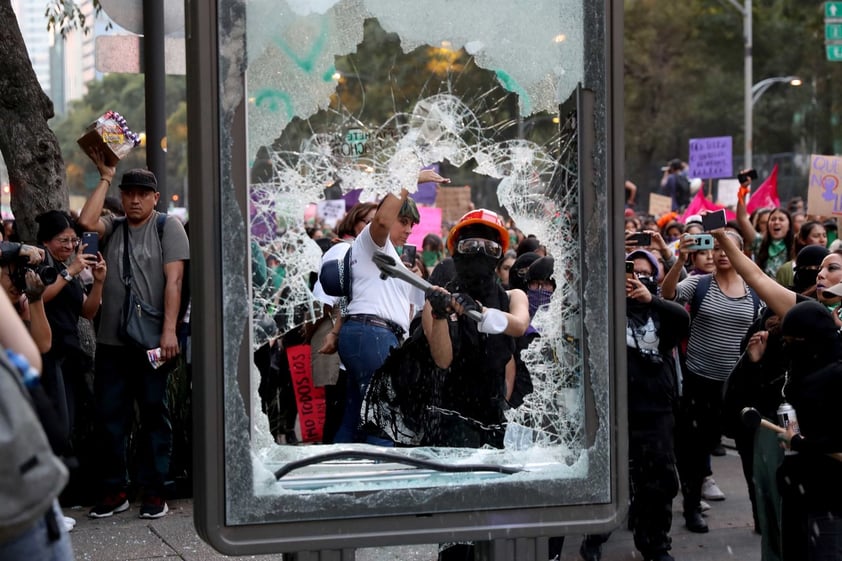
(157, 248)
(676, 185)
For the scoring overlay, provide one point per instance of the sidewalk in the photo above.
(125, 537)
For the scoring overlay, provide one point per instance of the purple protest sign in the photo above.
(711, 158)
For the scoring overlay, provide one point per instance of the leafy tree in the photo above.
(29, 147)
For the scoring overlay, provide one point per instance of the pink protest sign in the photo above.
(430, 224)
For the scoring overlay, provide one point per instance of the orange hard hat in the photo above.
(482, 217)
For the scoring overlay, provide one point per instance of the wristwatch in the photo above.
(65, 274)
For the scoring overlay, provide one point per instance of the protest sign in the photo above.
(823, 193)
(659, 204)
(711, 158)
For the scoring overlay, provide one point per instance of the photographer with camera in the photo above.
(23, 278)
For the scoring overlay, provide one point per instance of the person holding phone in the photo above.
(65, 301)
(722, 307)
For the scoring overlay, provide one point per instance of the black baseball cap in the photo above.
(142, 178)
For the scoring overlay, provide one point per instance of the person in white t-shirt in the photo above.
(380, 310)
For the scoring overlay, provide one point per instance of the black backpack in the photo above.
(682, 190)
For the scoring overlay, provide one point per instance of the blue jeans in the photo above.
(363, 348)
(123, 377)
(37, 543)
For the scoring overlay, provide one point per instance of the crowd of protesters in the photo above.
(746, 314)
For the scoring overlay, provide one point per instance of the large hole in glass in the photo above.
(326, 131)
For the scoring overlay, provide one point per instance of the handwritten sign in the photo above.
(711, 158)
(310, 399)
(728, 190)
(824, 196)
(659, 205)
(331, 211)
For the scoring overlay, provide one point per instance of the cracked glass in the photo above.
(345, 101)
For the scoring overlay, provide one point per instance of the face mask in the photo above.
(429, 258)
(538, 298)
(475, 273)
(804, 279)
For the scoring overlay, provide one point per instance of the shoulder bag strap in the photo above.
(127, 264)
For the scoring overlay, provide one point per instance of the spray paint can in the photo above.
(786, 419)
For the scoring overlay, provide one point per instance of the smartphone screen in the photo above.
(408, 255)
(91, 241)
(713, 220)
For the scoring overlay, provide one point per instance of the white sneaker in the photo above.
(69, 523)
(704, 507)
(711, 491)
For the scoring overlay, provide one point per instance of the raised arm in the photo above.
(746, 227)
(777, 297)
(89, 217)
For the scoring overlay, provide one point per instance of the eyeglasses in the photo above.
(68, 241)
(475, 245)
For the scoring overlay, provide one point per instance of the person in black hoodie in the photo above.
(654, 327)
(809, 480)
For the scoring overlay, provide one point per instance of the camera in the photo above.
(47, 274)
(749, 174)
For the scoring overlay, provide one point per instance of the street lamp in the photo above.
(756, 91)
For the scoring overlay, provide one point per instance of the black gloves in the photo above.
(466, 302)
(439, 302)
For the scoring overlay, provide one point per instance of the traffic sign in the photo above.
(833, 32)
(834, 53)
(832, 10)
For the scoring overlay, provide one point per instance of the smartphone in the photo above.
(91, 241)
(750, 174)
(408, 255)
(629, 269)
(640, 238)
(713, 220)
(701, 242)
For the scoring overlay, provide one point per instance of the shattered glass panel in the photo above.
(345, 101)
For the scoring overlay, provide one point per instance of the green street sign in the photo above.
(833, 32)
(832, 10)
(834, 53)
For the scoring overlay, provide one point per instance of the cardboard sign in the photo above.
(727, 190)
(659, 205)
(310, 399)
(711, 158)
(430, 224)
(453, 202)
(824, 196)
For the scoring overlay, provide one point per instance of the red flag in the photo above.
(767, 194)
(700, 203)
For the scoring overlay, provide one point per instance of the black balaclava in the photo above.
(475, 272)
(810, 256)
(815, 336)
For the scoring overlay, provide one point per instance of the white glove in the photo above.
(493, 322)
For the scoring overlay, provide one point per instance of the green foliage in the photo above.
(64, 16)
(684, 79)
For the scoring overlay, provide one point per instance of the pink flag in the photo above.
(767, 194)
(700, 204)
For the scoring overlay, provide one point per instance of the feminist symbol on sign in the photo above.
(829, 184)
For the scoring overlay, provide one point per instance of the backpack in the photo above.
(31, 476)
(160, 222)
(335, 276)
(702, 289)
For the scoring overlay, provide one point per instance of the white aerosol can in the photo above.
(786, 419)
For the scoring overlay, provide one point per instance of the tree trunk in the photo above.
(29, 147)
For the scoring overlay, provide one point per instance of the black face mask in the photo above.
(804, 279)
(475, 273)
